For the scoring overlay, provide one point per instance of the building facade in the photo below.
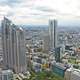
(46, 43)
(6, 75)
(13, 43)
(53, 33)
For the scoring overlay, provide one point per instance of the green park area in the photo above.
(45, 76)
(72, 60)
(75, 64)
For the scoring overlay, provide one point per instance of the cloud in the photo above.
(4, 10)
(44, 9)
(33, 11)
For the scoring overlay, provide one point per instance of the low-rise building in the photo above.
(72, 74)
(6, 75)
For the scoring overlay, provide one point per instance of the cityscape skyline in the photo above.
(27, 51)
(61, 23)
(39, 39)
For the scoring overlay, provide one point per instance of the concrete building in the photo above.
(21, 49)
(53, 33)
(6, 75)
(46, 42)
(72, 74)
(13, 43)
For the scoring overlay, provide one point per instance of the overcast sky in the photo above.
(40, 11)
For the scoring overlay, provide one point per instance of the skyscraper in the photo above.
(53, 34)
(21, 49)
(13, 43)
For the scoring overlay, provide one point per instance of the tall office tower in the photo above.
(13, 43)
(6, 36)
(21, 49)
(53, 34)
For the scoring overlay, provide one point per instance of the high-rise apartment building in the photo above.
(13, 43)
(53, 34)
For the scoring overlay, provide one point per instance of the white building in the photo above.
(6, 75)
(72, 74)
